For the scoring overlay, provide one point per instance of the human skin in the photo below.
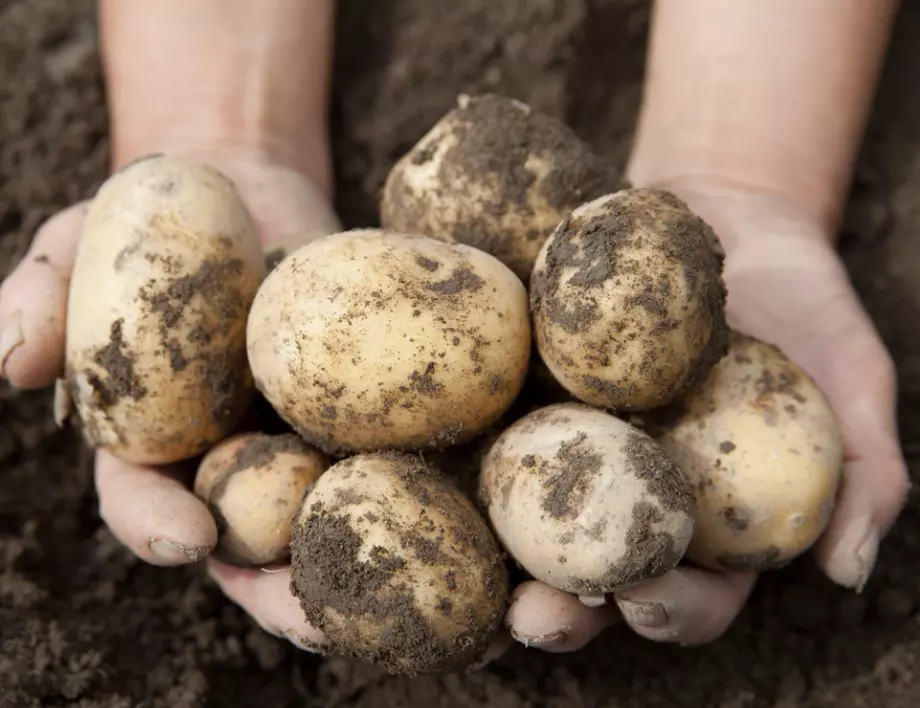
(759, 141)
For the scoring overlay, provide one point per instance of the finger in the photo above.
(686, 606)
(152, 512)
(33, 303)
(875, 478)
(546, 618)
(266, 596)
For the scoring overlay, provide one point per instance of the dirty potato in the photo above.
(497, 175)
(763, 450)
(254, 485)
(628, 301)
(584, 501)
(165, 271)
(369, 340)
(395, 566)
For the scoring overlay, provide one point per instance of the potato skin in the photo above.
(254, 485)
(167, 266)
(628, 301)
(396, 568)
(369, 340)
(585, 502)
(496, 175)
(762, 447)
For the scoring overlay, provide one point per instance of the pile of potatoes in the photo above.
(528, 362)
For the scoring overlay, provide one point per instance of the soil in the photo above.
(83, 623)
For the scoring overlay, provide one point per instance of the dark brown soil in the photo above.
(258, 451)
(82, 623)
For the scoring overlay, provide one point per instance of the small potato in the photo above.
(761, 445)
(584, 501)
(395, 566)
(497, 175)
(166, 269)
(628, 301)
(254, 485)
(369, 340)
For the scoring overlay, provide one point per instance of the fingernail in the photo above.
(852, 562)
(174, 553)
(866, 554)
(540, 641)
(10, 338)
(303, 644)
(593, 600)
(644, 614)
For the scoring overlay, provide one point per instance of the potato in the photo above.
(584, 501)
(166, 269)
(369, 340)
(628, 301)
(497, 175)
(395, 566)
(762, 447)
(254, 485)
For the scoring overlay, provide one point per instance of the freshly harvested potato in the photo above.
(166, 269)
(762, 447)
(369, 340)
(584, 501)
(396, 567)
(497, 175)
(628, 301)
(254, 485)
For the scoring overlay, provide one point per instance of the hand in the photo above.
(151, 510)
(787, 286)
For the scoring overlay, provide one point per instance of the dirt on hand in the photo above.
(84, 623)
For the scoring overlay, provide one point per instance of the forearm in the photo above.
(762, 96)
(219, 76)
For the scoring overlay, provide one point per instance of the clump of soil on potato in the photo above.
(496, 139)
(507, 176)
(262, 450)
(565, 490)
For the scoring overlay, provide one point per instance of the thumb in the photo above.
(33, 303)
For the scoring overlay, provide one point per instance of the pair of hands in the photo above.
(786, 285)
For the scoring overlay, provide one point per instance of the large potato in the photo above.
(762, 447)
(584, 501)
(497, 175)
(166, 269)
(628, 300)
(396, 567)
(254, 485)
(369, 340)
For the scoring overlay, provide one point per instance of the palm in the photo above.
(794, 292)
